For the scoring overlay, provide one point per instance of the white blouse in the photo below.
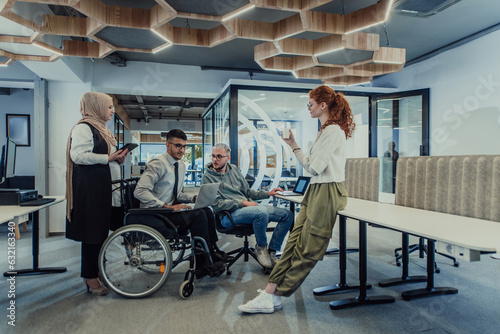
(327, 156)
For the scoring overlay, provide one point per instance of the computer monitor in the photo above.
(8, 163)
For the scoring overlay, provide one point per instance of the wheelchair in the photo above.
(136, 260)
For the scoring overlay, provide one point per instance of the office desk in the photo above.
(434, 226)
(292, 199)
(10, 213)
(4, 218)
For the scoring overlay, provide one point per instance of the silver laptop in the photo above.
(300, 187)
(206, 196)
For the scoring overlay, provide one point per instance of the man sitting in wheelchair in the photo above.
(161, 185)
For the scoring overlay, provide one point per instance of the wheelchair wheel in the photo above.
(178, 252)
(186, 289)
(135, 261)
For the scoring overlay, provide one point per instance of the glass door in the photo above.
(401, 124)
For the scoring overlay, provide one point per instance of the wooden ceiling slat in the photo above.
(64, 25)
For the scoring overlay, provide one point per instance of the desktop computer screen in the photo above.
(8, 163)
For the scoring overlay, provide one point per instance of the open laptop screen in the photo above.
(301, 185)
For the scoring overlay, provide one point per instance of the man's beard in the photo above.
(221, 168)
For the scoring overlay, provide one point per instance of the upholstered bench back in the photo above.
(361, 178)
(466, 185)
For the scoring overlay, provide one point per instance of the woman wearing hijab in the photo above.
(91, 161)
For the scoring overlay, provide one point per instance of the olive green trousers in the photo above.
(311, 234)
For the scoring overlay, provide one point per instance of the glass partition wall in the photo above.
(250, 120)
(401, 129)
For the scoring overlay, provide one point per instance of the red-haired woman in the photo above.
(326, 195)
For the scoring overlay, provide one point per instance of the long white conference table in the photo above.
(469, 233)
(9, 213)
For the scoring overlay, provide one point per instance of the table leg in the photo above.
(362, 299)
(405, 278)
(429, 290)
(35, 245)
(342, 285)
(292, 209)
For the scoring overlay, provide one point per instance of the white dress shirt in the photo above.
(327, 156)
(82, 144)
(156, 186)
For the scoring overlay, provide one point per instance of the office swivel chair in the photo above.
(422, 248)
(240, 231)
(250, 180)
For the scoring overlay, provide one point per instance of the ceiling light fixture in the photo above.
(329, 51)
(388, 62)
(368, 26)
(389, 8)
(160, 48)
(160, 35)
(360, 83)
(47, 49)
(238, 13)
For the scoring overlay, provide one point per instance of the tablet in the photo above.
(129, 146)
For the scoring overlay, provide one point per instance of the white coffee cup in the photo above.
(286, 133)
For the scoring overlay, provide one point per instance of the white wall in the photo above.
(64, 112)
(170, 80)
(20, 101)
(464, 96)
(16, 76)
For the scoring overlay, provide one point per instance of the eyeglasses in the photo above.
(218, 156)
(178, 146)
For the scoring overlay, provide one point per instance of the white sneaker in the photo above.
(263, 256)
(277, 302)
(263, 303)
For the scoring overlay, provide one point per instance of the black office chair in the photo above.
(240, 231)
(422, 249)
(250, 180)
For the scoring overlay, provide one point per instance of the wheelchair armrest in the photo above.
(149, 211)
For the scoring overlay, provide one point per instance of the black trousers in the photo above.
(90, 259)
(200, 222)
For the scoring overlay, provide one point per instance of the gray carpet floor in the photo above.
(58, 303)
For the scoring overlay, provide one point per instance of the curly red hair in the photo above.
(338, 108)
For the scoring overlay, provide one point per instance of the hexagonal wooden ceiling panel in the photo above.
(293, 35)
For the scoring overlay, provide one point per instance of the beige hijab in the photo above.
(93, 107)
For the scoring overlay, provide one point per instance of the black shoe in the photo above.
(220, 256)
(217, 269)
